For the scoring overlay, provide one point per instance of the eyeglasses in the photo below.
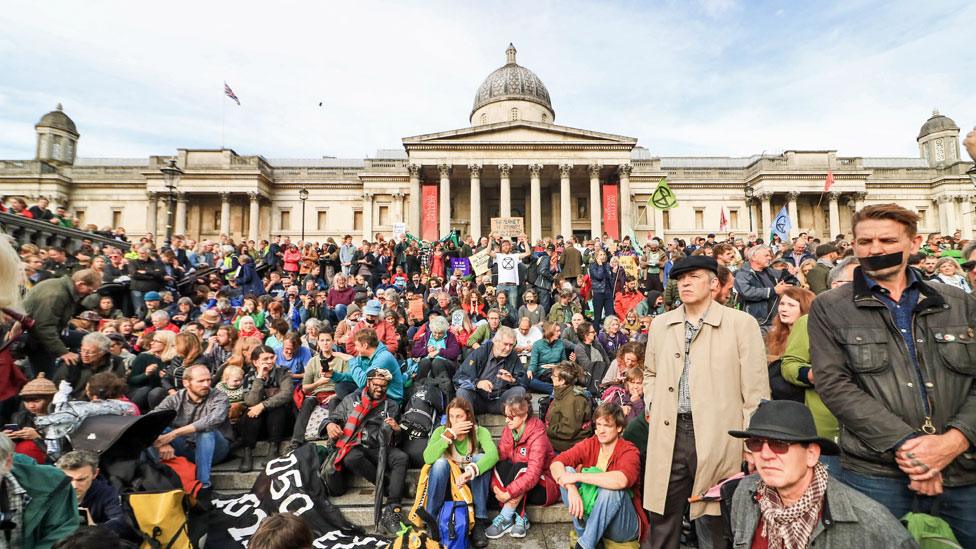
(777, 446)
(511, 417)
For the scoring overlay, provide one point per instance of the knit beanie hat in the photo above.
(39, 386)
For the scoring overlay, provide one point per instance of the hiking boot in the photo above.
(521, 527)
(247, 461)
(478, 537)
(499, 527)
(391, 519)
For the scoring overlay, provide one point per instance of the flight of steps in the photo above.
(550, 525)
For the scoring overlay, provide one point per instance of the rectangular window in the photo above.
(666, 214)
(116, 218)
(384, 215)
(699, 218)
(80, 214)
(922, 217)
(357, 220)
(216, 220)
(285, 220)
(321, 220)
(733, 218)
(642, 218)
(581, 203)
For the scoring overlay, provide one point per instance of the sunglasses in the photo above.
(777, 446)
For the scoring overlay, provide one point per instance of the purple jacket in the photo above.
(451, 350)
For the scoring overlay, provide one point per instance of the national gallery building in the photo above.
(512, 159)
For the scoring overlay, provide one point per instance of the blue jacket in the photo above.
(249, 281)
(472, 369)
(103, 502)
(602, 278)
(756, 296)
(359, 366)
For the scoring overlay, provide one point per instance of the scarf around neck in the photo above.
(352, 432)
(790, 527)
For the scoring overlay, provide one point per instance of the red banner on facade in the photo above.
(611, 223)
(429, 215)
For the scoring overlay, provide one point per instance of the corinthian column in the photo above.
(445, 202)
(565, 201)
(225, 214)
(595, 206)
(834, 214)
(626, 221)
(152, 214)
(535, 197)
(475, 228)
(791, 208)
(415, 200)
(254, 216)
(179, 227)
(368, 216)
(505, 192)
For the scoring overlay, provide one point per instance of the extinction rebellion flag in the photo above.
(288, 484)
(663, 198)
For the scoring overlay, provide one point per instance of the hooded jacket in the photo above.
(534, 449)
(51, 514)
(567, 417)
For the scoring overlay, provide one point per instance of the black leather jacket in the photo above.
(866, 378)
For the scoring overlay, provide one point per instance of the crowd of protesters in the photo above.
(846, 363)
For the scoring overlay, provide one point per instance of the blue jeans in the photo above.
(138, 303)
(437, 485)
(832, 463)
(612, 517)
(511, 290)
(211, 447)
(956, 504)
(535, 385)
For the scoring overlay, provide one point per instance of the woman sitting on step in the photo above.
(471, 447)
(521, 473)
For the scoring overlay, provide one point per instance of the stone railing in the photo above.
(44, 233)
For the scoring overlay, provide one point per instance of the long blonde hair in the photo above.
(169, 341)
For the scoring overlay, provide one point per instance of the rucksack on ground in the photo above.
(931, 532)
(160, 517)
(460, 494)
(454, 524)
(423, 534)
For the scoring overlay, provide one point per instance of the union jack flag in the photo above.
(230, 93)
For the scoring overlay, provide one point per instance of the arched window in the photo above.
(484, 118)
(515, 113)
(545, 118)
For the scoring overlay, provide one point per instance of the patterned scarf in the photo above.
(790, 527)
(352, 431)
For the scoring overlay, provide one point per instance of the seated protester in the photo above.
(39, 503)
(610, 337)
(293, 356)
(462, 441)
(249, 307)
(318, 383)
(353, 314)
(248, 328)
(569, 330)
(108, 386)
(609, 466)
(277, 329)
(232, 385)
(591, 356)
(184, 312)
(630, 355)
(491, 374)
(119, 349)
(201, 431)
(564, 308)
(189, 351)
(486, 330)
(520, 475)
(161, 321)
(35, 397)
(531, 308)
(653, 304)
(95, 497)
(437, 350)
(93, 358)
(268, 401)
(631, 325)
(145, 380)
(792, 501)
(385, 332)
(628, 298)
(443, 304)
(461, 327)
(357, 428)
(310, 339)
(546, 352)
(506, 310)
(525, 337)
(370, 354)
(220, 346)
(568, 416)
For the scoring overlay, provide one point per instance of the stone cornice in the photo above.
(527, 146)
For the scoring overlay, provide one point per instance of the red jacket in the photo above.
(624, 302)
(533, 448)
(385, 332)
(625, 458)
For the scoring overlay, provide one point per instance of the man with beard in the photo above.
(356, 427)
(201, 431)
(894, 360)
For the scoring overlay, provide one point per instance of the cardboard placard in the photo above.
(479, 262)
(508, 227)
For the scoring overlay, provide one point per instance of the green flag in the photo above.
(662, 198)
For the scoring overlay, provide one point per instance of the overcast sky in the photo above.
(713, 77)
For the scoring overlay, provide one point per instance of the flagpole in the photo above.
(222, 101)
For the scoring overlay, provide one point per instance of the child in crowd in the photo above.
(568, 416)
(232, 384)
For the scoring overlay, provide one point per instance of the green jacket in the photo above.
(817, 278)
(543, 353)
(438, 447)
(794, 366)
(480, 335)
(51, 514)
(567, 417)
(51, 304)
(563, 314)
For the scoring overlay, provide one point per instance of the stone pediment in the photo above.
(518, 132)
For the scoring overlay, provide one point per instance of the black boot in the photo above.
(247, 461)
(478, 537)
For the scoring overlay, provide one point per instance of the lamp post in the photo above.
(303, 196)
(171, 177)
(749, 194)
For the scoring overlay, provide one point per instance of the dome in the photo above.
(937, 123)
(512, 81)
(58, 120)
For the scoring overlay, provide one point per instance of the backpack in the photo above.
(187, 471)
(454, 525)
(420, 417)
(313, 429)
(931, 532)
(424, 534)
(160, 517)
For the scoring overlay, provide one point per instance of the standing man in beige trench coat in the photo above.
(704, 375)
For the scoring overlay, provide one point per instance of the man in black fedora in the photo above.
(792, 501)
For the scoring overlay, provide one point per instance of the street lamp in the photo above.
(171, 177)
(749, 194)
(303, 196)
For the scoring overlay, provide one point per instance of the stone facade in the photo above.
(513, 160)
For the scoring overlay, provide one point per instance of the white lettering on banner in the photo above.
(272, 468)
(305, 500)
(281, 484)
(326, 542)
(230, 507)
